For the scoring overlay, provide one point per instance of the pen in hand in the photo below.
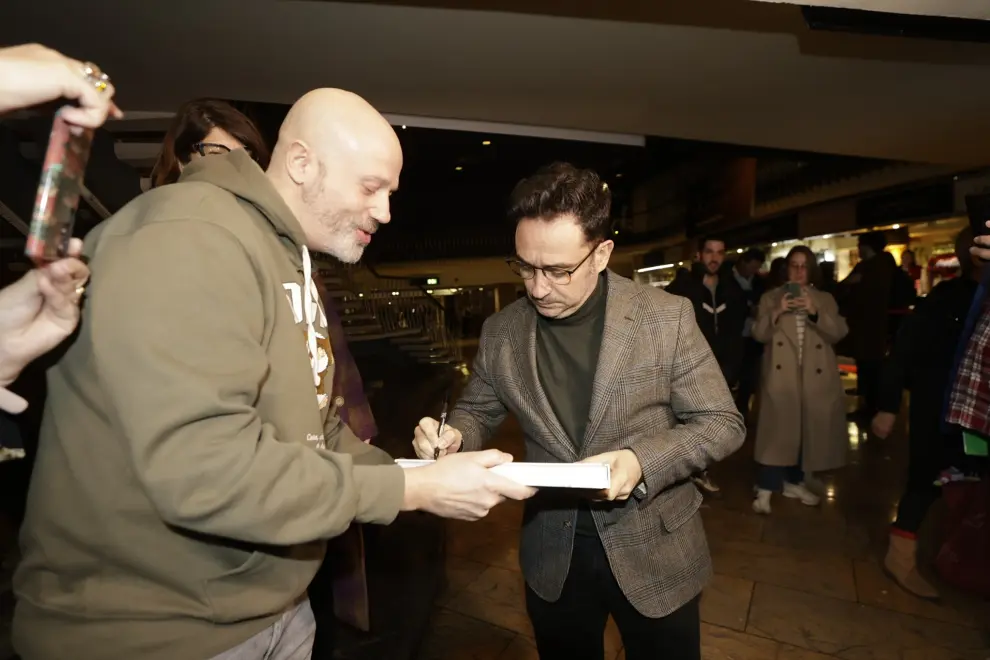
(443, 422)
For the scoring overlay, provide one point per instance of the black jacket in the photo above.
(923, 353)
(720, 314)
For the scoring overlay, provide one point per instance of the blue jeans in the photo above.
(289, 638)
(772, 477)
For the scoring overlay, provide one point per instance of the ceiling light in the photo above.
(773, 245)
(403, 127)
(458, 168)
(616, 232)
(897, 226)
(619, 175)
(649, 269)
(430, 291)
(395, 293)
(486, 143)
(739, 251)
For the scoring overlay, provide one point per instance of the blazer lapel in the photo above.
(619, 336)
(524, 352)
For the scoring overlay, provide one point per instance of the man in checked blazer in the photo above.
(597, 368)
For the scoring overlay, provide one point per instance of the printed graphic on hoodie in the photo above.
(314, 320)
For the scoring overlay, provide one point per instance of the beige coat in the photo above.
(802, 405)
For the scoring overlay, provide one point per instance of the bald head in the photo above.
(336, 162)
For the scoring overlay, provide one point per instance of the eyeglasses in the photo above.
(554, 275)
(214, 149)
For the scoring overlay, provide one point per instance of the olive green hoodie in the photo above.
(189, 465)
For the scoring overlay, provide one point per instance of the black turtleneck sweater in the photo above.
(566, 359)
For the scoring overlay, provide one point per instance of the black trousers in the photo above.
(573, 628)
(868, 383)
(749, 374)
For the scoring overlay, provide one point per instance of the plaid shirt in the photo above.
(969, 401)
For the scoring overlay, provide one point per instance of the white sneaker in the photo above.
(801, 492)
(761, 504)
(814, 484)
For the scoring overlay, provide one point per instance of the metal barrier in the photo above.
(392, 310)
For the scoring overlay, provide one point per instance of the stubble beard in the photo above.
(342, 242)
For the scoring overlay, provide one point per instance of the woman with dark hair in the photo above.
(802, 422)
(206, 127)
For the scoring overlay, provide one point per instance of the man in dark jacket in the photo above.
(720, 306)
(721, 309)
(866, 307)
(921, 360)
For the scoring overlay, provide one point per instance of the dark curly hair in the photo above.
(561, 189)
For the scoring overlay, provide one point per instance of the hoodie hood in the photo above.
(239, 175)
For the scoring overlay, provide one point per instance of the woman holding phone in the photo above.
(801, 427)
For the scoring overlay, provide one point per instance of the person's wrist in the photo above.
(413, 492)
(633, 464)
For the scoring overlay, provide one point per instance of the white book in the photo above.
(594, 476)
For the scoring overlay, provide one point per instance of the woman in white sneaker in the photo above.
(802, 422)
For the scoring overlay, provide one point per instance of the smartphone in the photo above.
(58, 192)
(978, 209)
(793, 289)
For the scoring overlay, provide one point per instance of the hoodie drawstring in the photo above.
(309, 314)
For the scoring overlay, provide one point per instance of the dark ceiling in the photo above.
(454, 184)
(455, 180)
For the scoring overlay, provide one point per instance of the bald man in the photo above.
(190, 465)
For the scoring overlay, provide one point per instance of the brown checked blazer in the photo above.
(659, 392)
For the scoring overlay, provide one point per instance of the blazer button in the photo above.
(818, 371)
(819, 346)
(778, 366)
(780, 343)
(338, 401)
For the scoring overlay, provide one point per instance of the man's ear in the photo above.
(300, 162)
(604, 254)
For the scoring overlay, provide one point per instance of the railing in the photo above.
(393, 309)
(497, 243)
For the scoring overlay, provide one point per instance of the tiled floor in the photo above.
(801, 584)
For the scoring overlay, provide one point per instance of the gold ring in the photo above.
(94, 75)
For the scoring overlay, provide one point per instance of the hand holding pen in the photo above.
(433, 439)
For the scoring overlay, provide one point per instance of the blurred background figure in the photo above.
(746, 272)
(921, 361)
(777, 273)
(866, 305)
